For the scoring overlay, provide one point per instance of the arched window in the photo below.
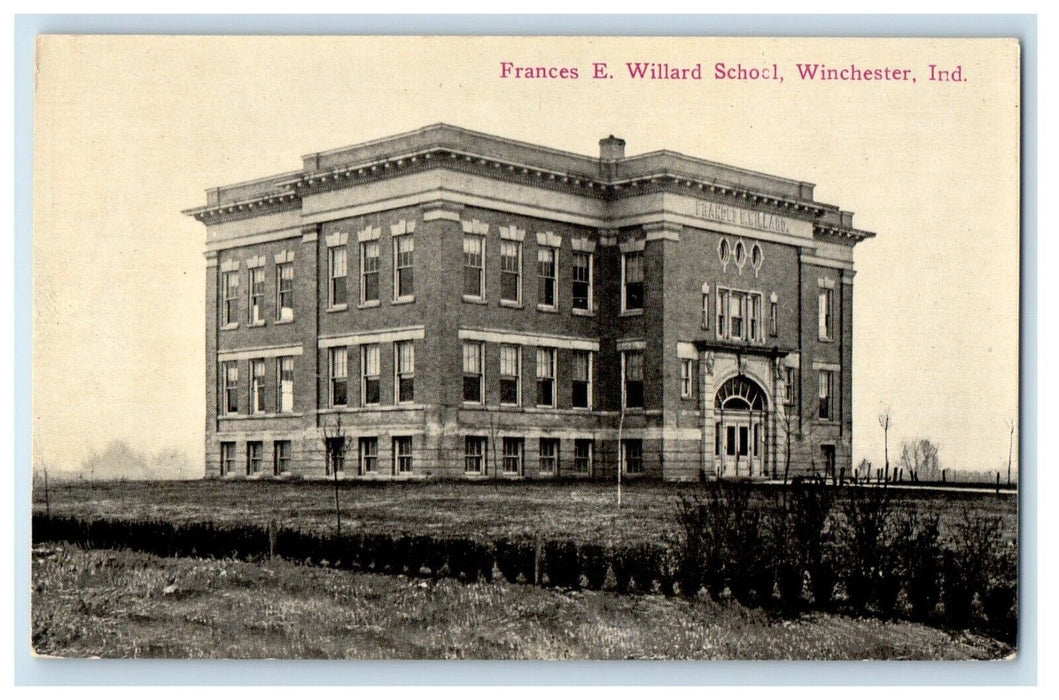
(740, 394)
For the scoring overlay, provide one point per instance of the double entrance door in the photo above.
(741, 444)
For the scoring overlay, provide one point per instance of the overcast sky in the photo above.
(130, 131)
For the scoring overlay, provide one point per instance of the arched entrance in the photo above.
(741, 412)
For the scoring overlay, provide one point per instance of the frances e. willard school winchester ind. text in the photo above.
(450, 304)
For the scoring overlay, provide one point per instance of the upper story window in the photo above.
(632, 378)
(632, 281)
(582, 281)
(827, 393)
(511, 271)
(285, 384)
(369, 272)
(473, 372)
(826, 313)
(687, 378)
(336, 274)
(473, 266)
(404, 371)
(257, 386)
(790, 386)
(546, 377)
(739, 315)
(510, 375)
(230, 377)
(338, 376)
(403, 259)
(581, 379)
(285, 292)
(547, 261)
(256, 298)
(774, 312)
(369, 379)
(230, 305)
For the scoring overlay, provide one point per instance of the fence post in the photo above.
(998, 482)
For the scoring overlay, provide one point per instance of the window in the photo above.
(753, 312)
(285, 382)
(773, 318)
(473, 374)
(230, 372)
(582, 292)
(280, 457)
(230, 308)
(369, 455)
(474, 266)
(403, 258)
(257, 386)
(549, 455)
(512, 456)
(257, 296)
(404, 370)
(510, 375)
(285, 292)
(369, 272)
(546, 264)
(632, 371)
(735, 314)
(254, 450)
(369, 369)
(336, 272)
(338, 376)
(738, 315)
(402, 454)
(686, 378)
(826, 315)
(790, 379)
(827, 391)
(335, 462)
(511, 271)
(583, 456)
(632, 456)
(581, 382)
(632, 289)
(706, 310)
(474, 455)
(227, 458)
(546, 376)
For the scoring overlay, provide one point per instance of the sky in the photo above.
(129, 131)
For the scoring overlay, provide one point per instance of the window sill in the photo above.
(548, 309)
(473, 300)
(257, 416)
(255, 324)
(284, 322)
(403, 300)
(826, 340)
(583, 312)
(369, 304)
(511, 304)
(637, 411)
(229, 326)
(336, 307)
(473, 404)
(631, 312)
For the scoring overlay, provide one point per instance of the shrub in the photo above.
(866, 537)
(562, 564)
(622, 562)
(805, 519)
(974, 557)
(594, 563)
(515, 558)
(646, 562)
(922, 564)
(1000, 606)
(691, 544)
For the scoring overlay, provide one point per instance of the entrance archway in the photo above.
(740, 411)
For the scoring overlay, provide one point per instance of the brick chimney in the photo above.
(611, 151)
(611, 148)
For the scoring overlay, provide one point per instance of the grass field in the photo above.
(581, 511)
(129, 605)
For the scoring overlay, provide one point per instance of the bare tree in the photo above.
(1011, 444)
(336, 444)
(919, 458)
(884, 422)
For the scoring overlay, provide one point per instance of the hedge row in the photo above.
(804, 549)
